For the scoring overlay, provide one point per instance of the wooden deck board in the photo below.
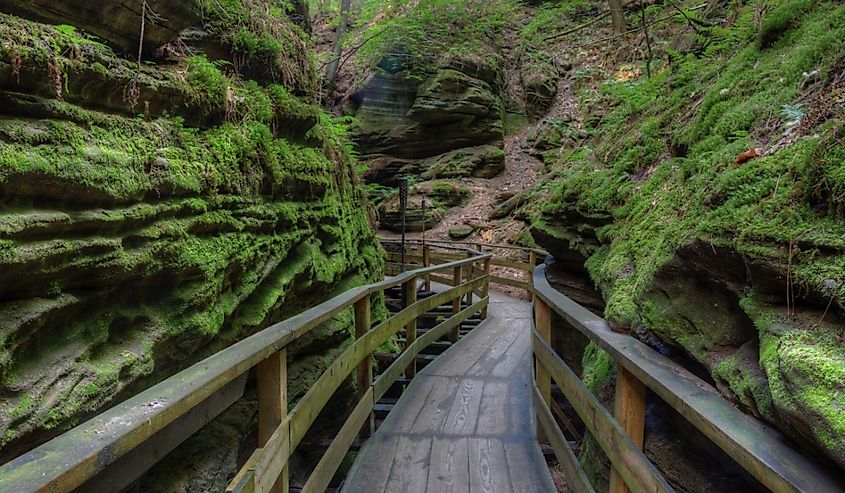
(449, 468)
(466, 422)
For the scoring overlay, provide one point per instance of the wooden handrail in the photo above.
(759, 449)
(538, 251)
(80, 454)
(71, 459)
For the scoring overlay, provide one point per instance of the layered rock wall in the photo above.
(153, 214)
(406, 121)
(733, 266)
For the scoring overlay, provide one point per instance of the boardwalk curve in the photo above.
(466, 423)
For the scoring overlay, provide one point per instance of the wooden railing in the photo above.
(762, 451)
(422, 253)
(107, 442)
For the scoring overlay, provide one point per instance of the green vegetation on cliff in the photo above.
(159, 212)
(718, 177)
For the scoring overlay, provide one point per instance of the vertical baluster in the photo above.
(426, 263)
(469, 274)
(410, 288)
(485, 289)
(456, 303)
(365, 368)
(273, 404)
(629, 411)
(543, 322)
(532, 262)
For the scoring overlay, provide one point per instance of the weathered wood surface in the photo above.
(638, 473)
(466, 422)
(629, 409)
(576, 478)
(476, 245)
(66, 462)
(761, 450)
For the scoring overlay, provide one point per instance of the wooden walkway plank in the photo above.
(524, 460)
(415, 398)
(466, 422)
(488, 470)
(502, 346)
(493, 412)
(375, 475)
(437, 405)
(409, 472)
(449, 469)
(518, 352)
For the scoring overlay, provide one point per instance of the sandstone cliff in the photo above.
(152, 213)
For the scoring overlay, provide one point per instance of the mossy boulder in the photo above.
(60, 63)
(734, 269)
(804, 361)
(555, 134)
(461, 233)
(457, 104)
(479, 162)
(119, 23)
(540, 77)
(417, 217)
(448, 193)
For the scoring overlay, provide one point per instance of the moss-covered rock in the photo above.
(690, 232)
(400, 119)
(119, 23)
(461, 232)
(480, 162)
(540, 77)
(417, 217)
(152, 215)
(448, 194)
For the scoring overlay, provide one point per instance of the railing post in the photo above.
(532, 262)
(468, 276)
(273, 404)
(485, 288)
(426, 263)
(456, 303)
(629, 411)
(410, 288)
(543, 322)
(365, 368)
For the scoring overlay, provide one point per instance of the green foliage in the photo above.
(260, 31)
(427, 31)
(550, 18)
(206, 80)
(781, 19)
(660, 202)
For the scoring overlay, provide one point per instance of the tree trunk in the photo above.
(618, 16)
(331, 73)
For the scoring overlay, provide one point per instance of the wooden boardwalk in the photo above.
(466, 423)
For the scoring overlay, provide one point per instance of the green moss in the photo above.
(779, 20)
(660, 203)
(598, 367)
(449, 194)
(264, 35)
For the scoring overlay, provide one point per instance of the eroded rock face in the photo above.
(117, 22)
(539, 78)
(725, 312)
(132, 246)
(454, 112)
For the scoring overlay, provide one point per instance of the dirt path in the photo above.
(521, 171)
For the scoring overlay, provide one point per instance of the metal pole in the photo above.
(403, 205)
(423, 219)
